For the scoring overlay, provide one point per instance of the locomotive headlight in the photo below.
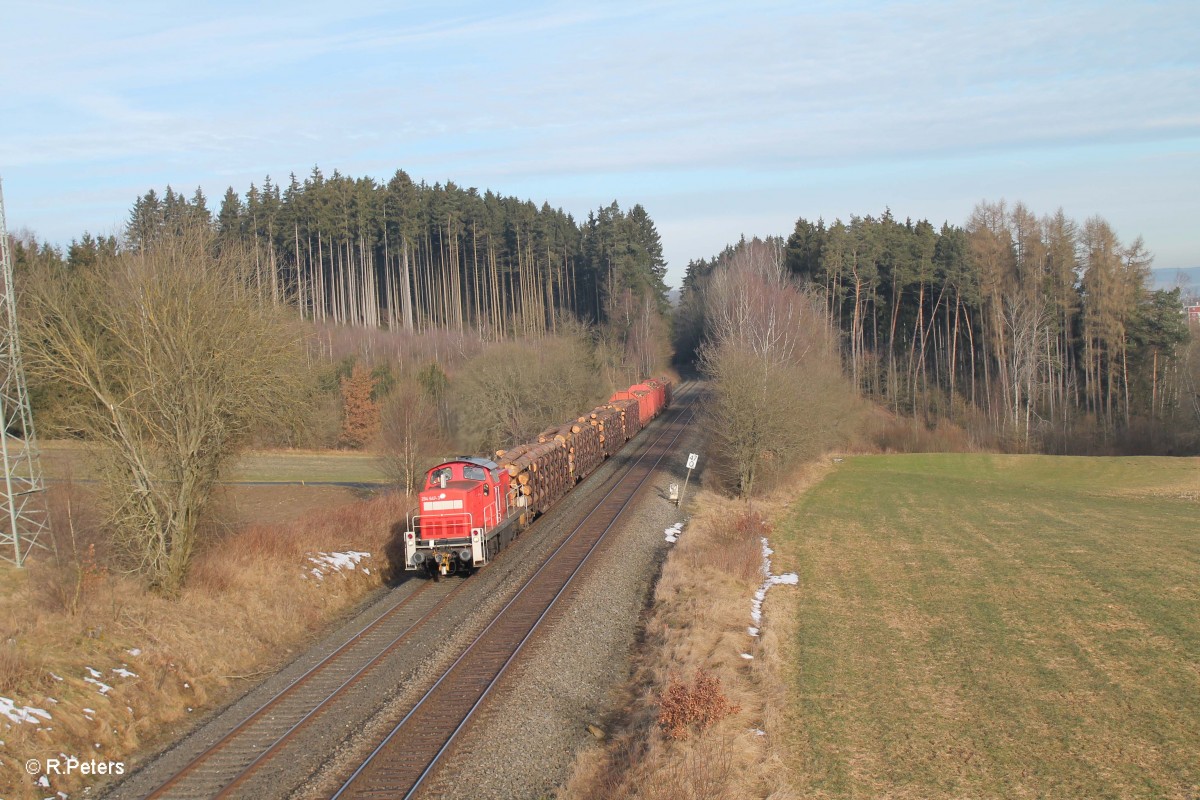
(464, 554)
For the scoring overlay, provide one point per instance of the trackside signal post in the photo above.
(693, 458)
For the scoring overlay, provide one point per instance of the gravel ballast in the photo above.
(527, 739)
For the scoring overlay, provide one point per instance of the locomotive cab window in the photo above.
(436, 476)
(474, 473)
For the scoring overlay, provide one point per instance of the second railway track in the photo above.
(403, 760)
(225, 766)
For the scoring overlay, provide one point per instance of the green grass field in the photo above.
(997, 626)
(62, 459)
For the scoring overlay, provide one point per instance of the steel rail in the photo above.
(227, 741)
(288, 691)
(567, 581)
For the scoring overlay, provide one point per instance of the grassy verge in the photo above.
(116, 668)
(677, 736)
(996, 626)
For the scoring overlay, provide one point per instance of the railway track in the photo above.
(409, 754)
(261, 735)
(225, 767)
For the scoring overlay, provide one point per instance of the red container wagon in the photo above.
(647, 402)
(629, 395)
(660, 394)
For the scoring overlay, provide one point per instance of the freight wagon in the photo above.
(471, 508)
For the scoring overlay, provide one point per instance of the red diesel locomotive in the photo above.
(471, 508)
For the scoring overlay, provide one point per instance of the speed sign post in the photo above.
(691, 465)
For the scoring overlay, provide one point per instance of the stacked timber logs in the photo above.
(545, 470)
(630, 414)
(609, 427)
(540, 471)
(584, 451)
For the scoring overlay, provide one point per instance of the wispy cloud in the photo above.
(687, 102)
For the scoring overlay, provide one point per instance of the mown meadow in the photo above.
(973, 625)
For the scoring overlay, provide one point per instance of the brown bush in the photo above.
(515, 389)
(695, 706)
(909, 435)
(360, 413)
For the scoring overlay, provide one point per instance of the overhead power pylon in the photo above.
(23, 515)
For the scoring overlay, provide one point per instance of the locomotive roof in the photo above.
(479, 462)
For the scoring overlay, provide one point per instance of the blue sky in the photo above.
(722, 119)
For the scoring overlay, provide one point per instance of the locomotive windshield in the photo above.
(470, 472)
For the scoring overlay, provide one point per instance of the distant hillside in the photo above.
(1188, 277)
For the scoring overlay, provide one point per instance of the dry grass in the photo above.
(885, 432)
(249, 603)
(698, 627)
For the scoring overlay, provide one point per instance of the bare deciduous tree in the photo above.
(175, 360)
(513, 390)
(778, 392)
(410, 434)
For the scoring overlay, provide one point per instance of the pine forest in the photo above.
(413, 257)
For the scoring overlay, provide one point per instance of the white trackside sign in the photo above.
(692, 459)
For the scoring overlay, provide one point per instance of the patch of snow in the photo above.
(17, 713)
(124, 673)
(56, 677)
(92, 672)
(329, 563)
(187, 685)
(769, 580)
(103, 688)
(51, 700)
(672, 533)
(43, 782)
(747, 656)
(759, 732)
(135, 652)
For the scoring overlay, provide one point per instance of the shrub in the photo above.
(696, 706)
